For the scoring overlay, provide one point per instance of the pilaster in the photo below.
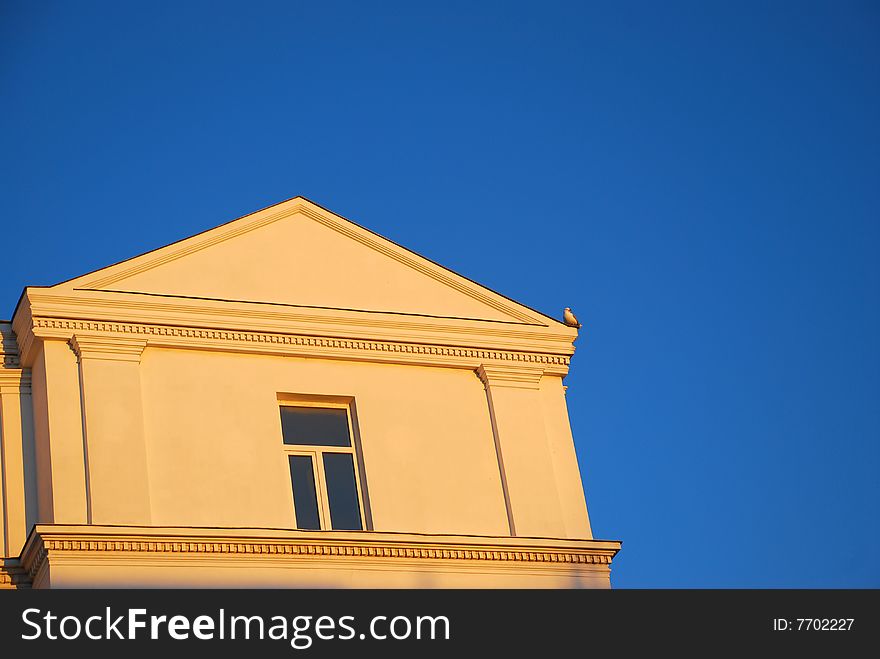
(58, 435)
(16, 460)
(565, 463)
(113, 427)
(530, 493)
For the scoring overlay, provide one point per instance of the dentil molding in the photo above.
(113, 340)
(49, 542)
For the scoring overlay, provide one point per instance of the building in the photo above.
(288, 400)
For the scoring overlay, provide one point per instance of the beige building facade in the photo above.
(288, 400)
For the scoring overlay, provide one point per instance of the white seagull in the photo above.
(570, 319)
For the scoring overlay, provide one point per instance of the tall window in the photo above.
(323, 470)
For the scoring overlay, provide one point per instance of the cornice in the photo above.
(15, 381)
(115, 347)
(48, 543)
(12, 575)
(22, 326)
(8, 347)
(119, 306)
(111, 337)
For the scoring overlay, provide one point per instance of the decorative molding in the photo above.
(8, 347)
(113, 347)
(517, 377)
(108, 309)
(12, 575)
(47, 544)
(114, 343)
(15, 381)
(313, 549)
(126, 307)
(22, 326)
(528, 337)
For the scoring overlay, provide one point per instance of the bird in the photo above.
(570, 319)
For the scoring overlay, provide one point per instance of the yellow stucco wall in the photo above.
(146, 396)
(215, 451)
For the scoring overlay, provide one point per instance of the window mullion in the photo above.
(323, 497)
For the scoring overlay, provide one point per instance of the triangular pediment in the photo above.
(301, 255)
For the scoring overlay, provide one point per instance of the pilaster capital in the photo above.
(517, 377)
(15, 381)
(108, 347)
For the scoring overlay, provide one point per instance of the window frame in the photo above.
(316, 453)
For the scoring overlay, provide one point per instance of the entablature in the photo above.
(251, 328)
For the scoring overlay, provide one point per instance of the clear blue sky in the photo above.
(699, 181)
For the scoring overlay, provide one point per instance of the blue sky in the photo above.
(698, 181)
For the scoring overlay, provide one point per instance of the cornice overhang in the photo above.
(8, 347)
(269, 329)
(206, 546)
(15, 381)
(13, 575)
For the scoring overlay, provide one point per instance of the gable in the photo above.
(298, 254)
